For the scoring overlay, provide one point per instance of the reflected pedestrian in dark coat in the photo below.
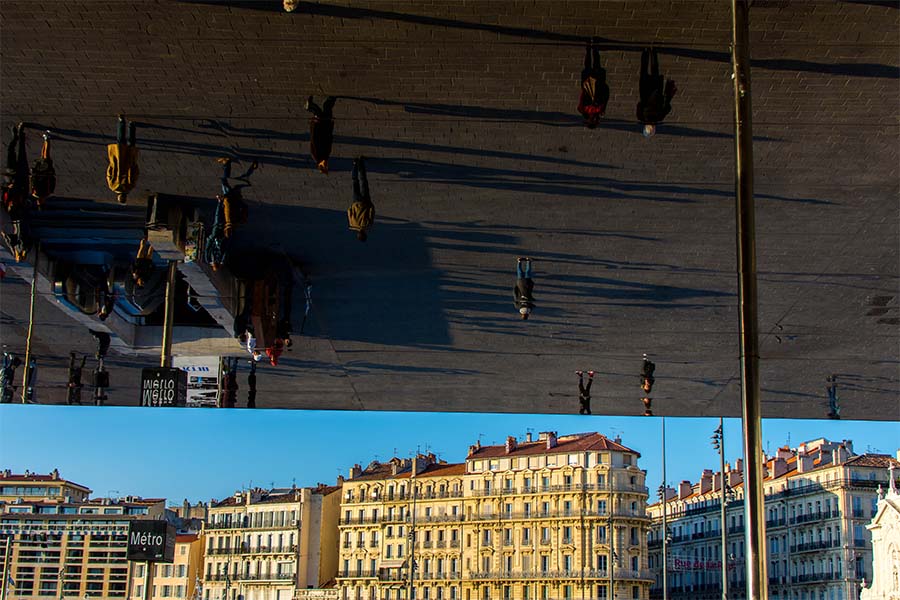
(321, 131)
(584, 392)
(522, 293)
(656, 93)
(594, 89)
(15, 175)
(361, 214)
(43, 174)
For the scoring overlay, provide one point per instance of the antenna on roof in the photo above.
(789, 439)
(395, 451)
(480, 435)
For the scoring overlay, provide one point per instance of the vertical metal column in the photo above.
(723, 486)
(148, 580)
(665, 498)
(165, 359)
(665, 524)
(4, 585)
(412, 537)
(751, 421)
(27, 370)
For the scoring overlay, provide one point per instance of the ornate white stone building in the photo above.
(885, 528)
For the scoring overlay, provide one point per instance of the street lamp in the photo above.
(718, 442)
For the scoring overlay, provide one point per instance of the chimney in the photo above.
(340, 480)
(510, 444)
(706, 480)
(551, 440)
(355, 471)
(784, 453)
(685, 489)
(804, 463)
(779, 467)
(848, 444)
(618, 439)
(528, 438)
(739, 466)
(54, 474)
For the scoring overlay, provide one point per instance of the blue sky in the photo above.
(202, 454)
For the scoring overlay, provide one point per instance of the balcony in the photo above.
(443, 575)
(816, 516)
(773, 523)
(436, 518)
(267, 577)
(357, 574)
(814, 577)
(812, 546)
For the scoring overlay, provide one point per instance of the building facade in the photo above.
(532, 520)
(885, 528)
(61, 548)
(818, 500)
(178, 579)
(28, 487)
(263, 545)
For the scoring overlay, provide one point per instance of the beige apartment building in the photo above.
(178, 579)
(30, 486)
(63, 545)
(529, 520)
(818, 499)
(264, 545)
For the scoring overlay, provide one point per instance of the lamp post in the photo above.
(665, 524)
(412, 541)
(718, 442)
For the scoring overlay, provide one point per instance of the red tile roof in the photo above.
(186, 538)
(576, 442)
(34, 477)
(873, 460)
(436, 470)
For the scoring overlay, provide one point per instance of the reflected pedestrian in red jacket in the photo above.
(594, 90)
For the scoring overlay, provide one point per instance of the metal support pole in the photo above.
(6, 564)
(412, 541)
(612, 556)
(751, 419)
(165, 359)
(148, 581)
(723, 485)
(665, 524)
(27, 372)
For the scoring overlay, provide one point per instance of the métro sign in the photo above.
(161, 386)
(151, 540)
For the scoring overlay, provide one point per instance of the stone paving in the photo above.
(466, 111)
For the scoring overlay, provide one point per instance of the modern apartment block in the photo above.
(177, 580)
(30, 486)
(819, 498)
(529, 520)
(63, 545)
(263, 545)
